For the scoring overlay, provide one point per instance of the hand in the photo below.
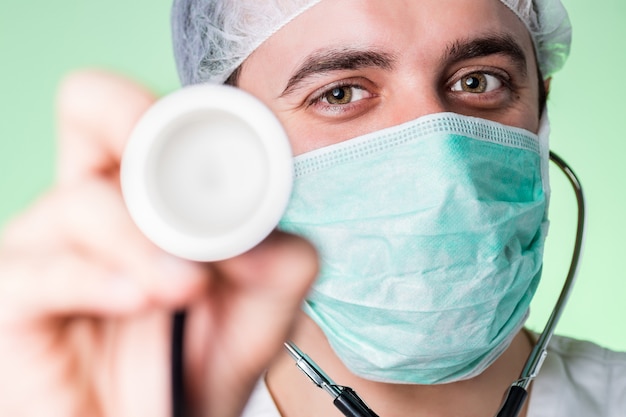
(86, 300)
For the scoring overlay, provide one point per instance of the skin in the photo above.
(393, 76)
(420, 81)
(85, 299)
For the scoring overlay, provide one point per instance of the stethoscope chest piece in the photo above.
(207, 172)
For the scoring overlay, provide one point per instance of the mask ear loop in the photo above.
(518, 392)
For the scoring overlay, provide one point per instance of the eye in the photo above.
(339, 95)
(477, 82)
(343, 94)
(342, 99)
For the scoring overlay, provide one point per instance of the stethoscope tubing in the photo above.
(517, 393)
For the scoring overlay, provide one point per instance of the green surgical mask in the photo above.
(431, 237)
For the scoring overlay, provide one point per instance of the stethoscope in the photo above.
(351, 405)
(204, 198)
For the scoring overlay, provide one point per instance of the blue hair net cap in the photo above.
(212, 38)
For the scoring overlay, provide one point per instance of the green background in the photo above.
(40, 41)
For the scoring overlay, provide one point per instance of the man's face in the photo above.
(349, 67)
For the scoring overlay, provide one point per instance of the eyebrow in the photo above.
(497, 44)
(329, 60)
(342, 59)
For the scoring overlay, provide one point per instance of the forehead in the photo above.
(416, 30)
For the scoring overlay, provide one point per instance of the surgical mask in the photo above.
(430, 236)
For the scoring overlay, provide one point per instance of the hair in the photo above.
(543, 92)
(233, 78)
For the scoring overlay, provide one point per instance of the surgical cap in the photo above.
(212, 38)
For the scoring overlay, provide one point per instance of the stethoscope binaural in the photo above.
(207, 174)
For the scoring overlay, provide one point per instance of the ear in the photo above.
(546, 84)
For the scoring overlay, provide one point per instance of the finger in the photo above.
(244, 323)
(96, 113)
(269, 283)
(282, 266)
(90, 219)
(63, 284)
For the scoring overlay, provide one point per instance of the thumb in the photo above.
(253, 302)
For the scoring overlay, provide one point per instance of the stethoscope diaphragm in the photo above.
(207, 172)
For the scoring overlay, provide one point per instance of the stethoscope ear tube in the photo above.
(515, 400)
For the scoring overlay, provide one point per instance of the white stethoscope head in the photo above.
(207, 172)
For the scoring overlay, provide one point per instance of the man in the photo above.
(86, 299)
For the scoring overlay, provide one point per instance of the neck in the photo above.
(296, 396)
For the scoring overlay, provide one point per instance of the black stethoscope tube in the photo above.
(346, 399)
(179, 402)
(519, 390)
